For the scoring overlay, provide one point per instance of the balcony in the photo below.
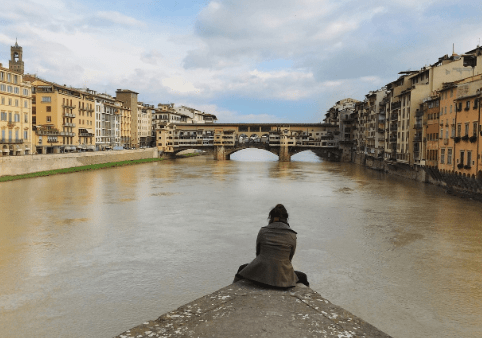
(85, 134)
(66, 133)
(418, 126)
(11, 141)
(417, 139)
(47, 132)
(69, 115)
(69, 106)
(396, 105)
(394, 117)
(68, 124)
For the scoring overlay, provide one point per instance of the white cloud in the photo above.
(119, 18)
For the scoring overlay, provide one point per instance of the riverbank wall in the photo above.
(26, 164)
(452, 182)
(243, 309)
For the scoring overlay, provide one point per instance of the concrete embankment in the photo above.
(243, 309)
(19, 165)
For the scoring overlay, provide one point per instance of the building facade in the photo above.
(15, 114)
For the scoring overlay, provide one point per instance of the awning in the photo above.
(68, 148)
(6, 150)
(89, 131)
(91, 147)
(79, 147)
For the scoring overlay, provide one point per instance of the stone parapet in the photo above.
(243, 309)
(19, 165)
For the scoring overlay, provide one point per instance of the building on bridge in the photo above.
(223, 139)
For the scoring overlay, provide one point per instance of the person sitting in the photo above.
(275, 248)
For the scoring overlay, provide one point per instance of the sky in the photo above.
(244, 61)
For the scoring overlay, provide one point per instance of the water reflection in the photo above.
(115, 247)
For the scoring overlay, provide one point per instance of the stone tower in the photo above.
(16, 63)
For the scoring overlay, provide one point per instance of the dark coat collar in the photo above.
(279, 225)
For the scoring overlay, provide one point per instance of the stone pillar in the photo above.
(220, 153)
(284, 153)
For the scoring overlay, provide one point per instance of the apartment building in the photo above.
(15, 112)
(129, 99)
(63, 117)
(144, 124)
(430, 131)
(467, 140)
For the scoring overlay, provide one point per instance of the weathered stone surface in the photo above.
(243, 309)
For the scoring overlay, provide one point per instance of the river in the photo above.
(92, 254)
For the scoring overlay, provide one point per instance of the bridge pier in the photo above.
(220, 153)
(284, 154)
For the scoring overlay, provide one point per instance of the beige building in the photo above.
(15, 113)
(63, 118)
(129, 99)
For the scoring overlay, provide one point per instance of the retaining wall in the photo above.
(18, 165)
(452, 182)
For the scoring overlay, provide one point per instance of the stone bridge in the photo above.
(283, 140)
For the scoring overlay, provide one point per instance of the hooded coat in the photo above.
(275, 247)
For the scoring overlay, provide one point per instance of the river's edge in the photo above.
(243, 309)
(451, 183)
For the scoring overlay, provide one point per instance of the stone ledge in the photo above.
(243, 309)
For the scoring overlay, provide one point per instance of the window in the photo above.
(49, 118)
(442, 156)
(453, 131)
(450, 109)
(3, 100)
(25, 135)
(15, 79)
(16, 103)
(49, 109)
(459, 129)
(25, 104)
(9, 101)
(451, 92)
(26, 118)
(449, 156)
(46, 99)
(467, 128)
(25, 92)
(4, 116)
(469, 158)
(462, 153)
(16, 90)
(441, 132)
(10, 89)
(9, 77)
(3, 88)
(16, 118)
(2, 76)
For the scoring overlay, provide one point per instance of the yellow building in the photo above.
(125, 124)
(15, 113)
(467, 123)
(63, 117)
